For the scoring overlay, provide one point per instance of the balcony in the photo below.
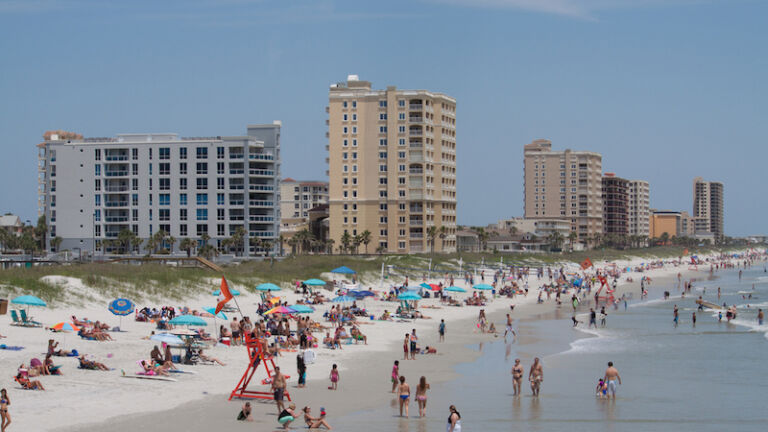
(236, 203)
(416, 120)
(116, 158)
(256, 203)
(416, 222)
(263, 188)
(110, 219)
(236, 171)
(415, 195)
(415, 171)
(415, 107)
(267, 157)
(416, 235)
(417, 156)
(116, 204)
(236, 187)
(261, 218)
(261, 172)
(416, 132)
(236, 155)
(416, 144)
(116, 188)
(116, 173)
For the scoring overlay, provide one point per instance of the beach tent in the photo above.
(343, 299)
(343, 270)
(302, 308)
(268, 287)
(409, 296)
(426, 286)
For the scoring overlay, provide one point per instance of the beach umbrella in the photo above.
(484, 287)
(343, 299)
(435, 287)
(280, 310)
(409, 296)
(121, 307)
(302, 308)
(167, 338)
(29, 300)
(268, 287)
(426, 286)
(66, 326)
(363, 293)
(314, 282)
(343, 270)
(234, 292)
(212, 311)
(188, 320)
(455, 289)
(414, 287)
(182, 332)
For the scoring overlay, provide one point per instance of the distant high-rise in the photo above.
(639, 208)
(708, 207)
(564, 185)
(615, 205)
(392, 167)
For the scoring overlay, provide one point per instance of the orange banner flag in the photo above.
(587, 263)
(685, 252)
(225, 292)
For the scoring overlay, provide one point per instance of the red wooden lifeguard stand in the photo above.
(256, 358)
(605, 298)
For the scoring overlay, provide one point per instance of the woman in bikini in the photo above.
(314, 422)
(404, 394)
(395, 375)
(5, 401)
(421, 396)
(406, 342)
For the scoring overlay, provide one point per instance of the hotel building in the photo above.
(392, 166)
(564, 185)
(708, 207)
(639, 208)
(91, 189)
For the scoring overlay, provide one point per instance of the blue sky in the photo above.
(665, 90)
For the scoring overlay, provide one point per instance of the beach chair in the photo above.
(27, 321)
(16, 320)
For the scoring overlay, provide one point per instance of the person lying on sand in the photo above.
(28, 384)
(90, 364)
(210, 359)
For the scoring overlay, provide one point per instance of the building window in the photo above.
(401, 116)
(135, 154)
(354, 142)
(382, 129)
(382, 194)
(150, 154)
(220, 183)
(164, 215)
(164, 199)
(345, 143)
(183, 214)
(97, 200)
(202, 199)
(202, 214)
(202, 168)
(183, 199)
(382, 168)
(402, 141)
(202, 229)
(382, 116)
(164, 153)
(220, 230)
(383, 155)
(183, 184)
(165, 183)
(135, 215)
(219, 152)
(97, 154)
(383, 142)
(202, 183)
(220, 199)
(382, 104)
(182, 153)
(220, 214)
(134, 169)
(183, 230)
(220, 168)
(97, 185)
(97, 168)
(202, 152)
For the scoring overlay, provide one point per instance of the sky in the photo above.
(665, 90)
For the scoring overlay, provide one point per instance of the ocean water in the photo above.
(711, 377)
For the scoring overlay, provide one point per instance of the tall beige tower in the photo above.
(392, 167)
(564, 185)
(639, 208)
(708, 207)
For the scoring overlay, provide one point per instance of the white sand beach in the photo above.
(80, 399)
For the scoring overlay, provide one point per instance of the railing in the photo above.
(415, 171)
(237, 218)
(419, 120)
(236, 155)
(414, 107)
(416, 236)
(235, 203)
(116, 173)
(415, 132)
(261, 157)
(236, 171)
(261, 172)
(116, 188)
(261, 218)
(262, 234)
(256, 203)
(115, 219)
(116, 204)
(116, 158)
(237, 186)
(261, 188)
(416, 222)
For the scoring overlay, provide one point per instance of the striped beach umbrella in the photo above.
(121, 307)
(66, 327)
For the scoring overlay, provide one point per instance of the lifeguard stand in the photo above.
(256, 357)
(608, 298)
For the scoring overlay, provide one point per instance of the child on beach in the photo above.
(404, 395)
(334, 378)
(395, 375)
(601, 388)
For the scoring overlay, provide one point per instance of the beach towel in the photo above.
(11, 347)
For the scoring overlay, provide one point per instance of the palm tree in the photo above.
(381, 249)
(329, 245)
(125, 237)
(41, 230)
(442, 233)
(365, 237)
(188, 245)
(267, 246)
(281, 241)
(171, 240)
(482, 237)
(572, 237)
(664, 238)
(293, 242)
(431, 235)
(236, 239)
(356, 241)
(346, 239)
(208, 251)
(555, 240)
(56, 242)
(513, 230)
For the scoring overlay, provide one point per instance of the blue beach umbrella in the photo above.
(302, 308)
(212, 311)
(188, 320)
(360, 294)
(121, 307)
(234, 292)
(29, 300)
(426, 286)
(409, 296)
(268, 287)
(414, 287)
(455, 289)
(167, 338)
(343, 299)
(484, 287)
(343, 270)
(314, 282)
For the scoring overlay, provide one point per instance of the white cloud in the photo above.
(574, 8)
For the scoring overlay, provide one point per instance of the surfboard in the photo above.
(150, 377)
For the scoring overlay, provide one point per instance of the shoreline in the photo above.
(213, 409)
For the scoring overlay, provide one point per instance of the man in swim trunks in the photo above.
(611, 376)
(517, 377)
(278, 388)
(592, 318)
(509, 328)
(536, 376)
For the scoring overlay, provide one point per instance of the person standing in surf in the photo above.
(611, 378)
(517, 377)
(536, 376)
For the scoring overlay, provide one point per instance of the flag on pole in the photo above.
(224, 292)
(685, 252)
(587, 263)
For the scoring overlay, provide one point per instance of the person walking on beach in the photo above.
(395, 375)
(693, 318)
(760, 317)
(454, 420)
(414, 341)
(5, 402)
(278, 388)
(406, 343)
(592, 318)
(441, 330)
(517, 377)
(334, 378)
(404, 395)
(536, 376)
(611, 377)
(603, 316)
(301, 369)
(509, 328)
(421, 396)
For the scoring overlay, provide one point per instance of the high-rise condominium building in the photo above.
(92, 189)
(298, 197)
(564, 185)
(615, 205)
(639, 208)
(708, 207)
(392, 166)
